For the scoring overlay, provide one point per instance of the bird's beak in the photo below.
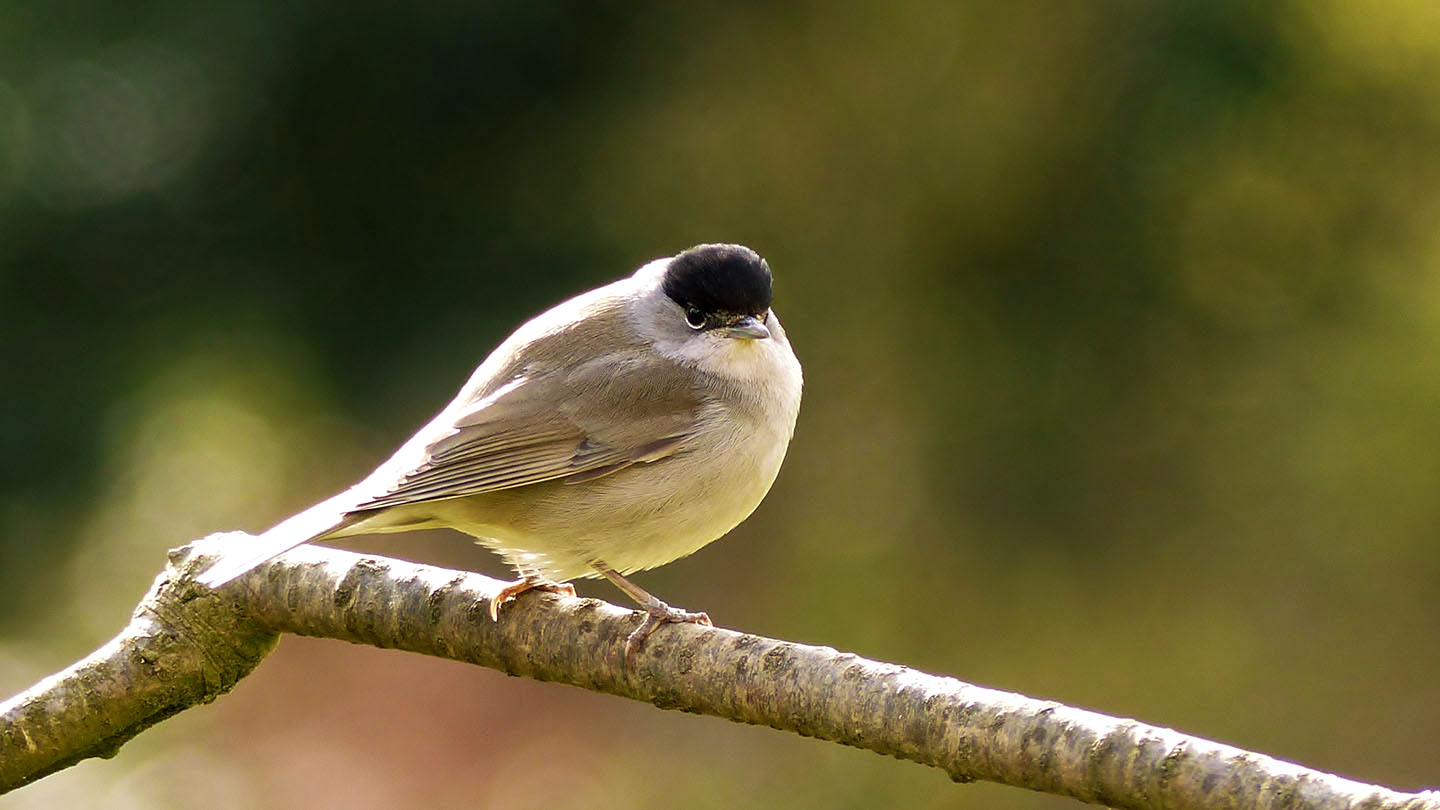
(747, 328)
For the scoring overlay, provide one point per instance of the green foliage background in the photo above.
(1120, 323)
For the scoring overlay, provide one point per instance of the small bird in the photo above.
(624, 428)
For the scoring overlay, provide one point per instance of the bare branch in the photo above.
(186, 645)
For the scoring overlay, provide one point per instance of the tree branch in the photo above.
(186, 645)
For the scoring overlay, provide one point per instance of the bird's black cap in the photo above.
(719, 278)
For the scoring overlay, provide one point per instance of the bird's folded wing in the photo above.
(573, 425)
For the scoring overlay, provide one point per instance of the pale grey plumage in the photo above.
(606, 431)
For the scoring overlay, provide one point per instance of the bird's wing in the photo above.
(571, 424)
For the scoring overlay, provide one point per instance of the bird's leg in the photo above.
(530, 580)
(657, 612)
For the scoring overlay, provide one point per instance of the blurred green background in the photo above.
(1121, 327)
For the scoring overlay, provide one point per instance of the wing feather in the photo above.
(541, 427)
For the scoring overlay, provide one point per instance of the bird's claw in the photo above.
(520, 586)
(656, 616)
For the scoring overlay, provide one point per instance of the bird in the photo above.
(622, 429)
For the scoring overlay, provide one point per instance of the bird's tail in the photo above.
(313, 523)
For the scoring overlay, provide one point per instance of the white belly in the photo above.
(638, 518)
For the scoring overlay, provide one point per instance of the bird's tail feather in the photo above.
(313, 523)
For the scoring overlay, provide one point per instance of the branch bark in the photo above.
(187, 645)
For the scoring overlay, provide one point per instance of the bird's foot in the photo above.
(524, 584)
(658, 613)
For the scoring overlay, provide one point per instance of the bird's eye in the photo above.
(694, 317)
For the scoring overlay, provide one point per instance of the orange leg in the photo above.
(529, 581)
